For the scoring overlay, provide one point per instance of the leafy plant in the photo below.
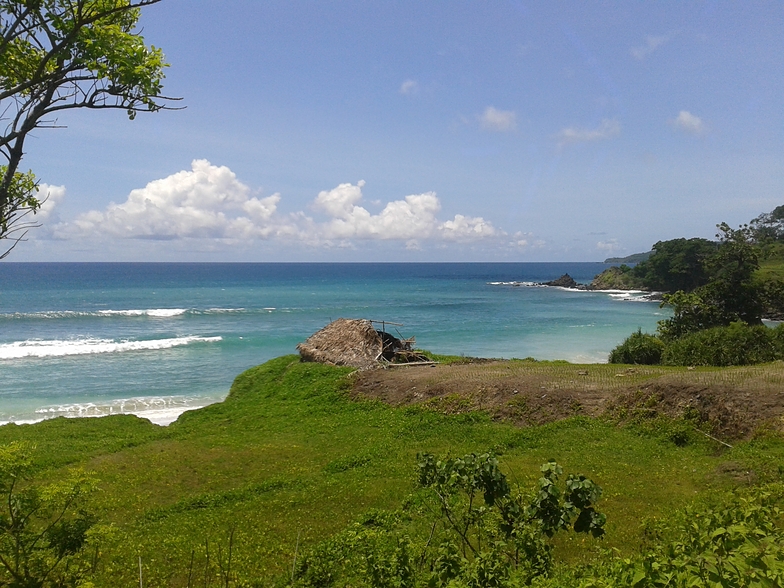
(43, 528)
(480, 534)
(736, 344)
(638, 348)
(738, 541)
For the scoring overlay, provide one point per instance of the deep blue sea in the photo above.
(154, 339)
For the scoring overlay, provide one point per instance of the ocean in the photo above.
(156, 339)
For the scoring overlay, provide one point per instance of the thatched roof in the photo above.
(351, 342)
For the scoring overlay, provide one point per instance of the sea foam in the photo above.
(142, 312)
(161, 410)
(59, 348)
(153, 312)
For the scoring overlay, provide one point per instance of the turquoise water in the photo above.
(157, 339)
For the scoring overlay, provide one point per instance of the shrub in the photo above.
(737, 344)
(482, 533)
(639, 348)
(738, 541)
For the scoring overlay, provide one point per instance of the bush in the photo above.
(484, 534)
(638, 348)
(737, 344)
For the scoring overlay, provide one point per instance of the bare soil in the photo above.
(730, 403)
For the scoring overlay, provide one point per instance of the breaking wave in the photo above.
(60, 348)
(147, 312)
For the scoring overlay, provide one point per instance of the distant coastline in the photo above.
(633, 258)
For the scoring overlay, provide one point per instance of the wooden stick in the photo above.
(714, 438)
(412, 363)
(387, 323)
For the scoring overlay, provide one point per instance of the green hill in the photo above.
(233, 493)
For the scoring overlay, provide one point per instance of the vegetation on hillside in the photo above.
(619, 277)
(719, 293)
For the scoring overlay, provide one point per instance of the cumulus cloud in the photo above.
(652, 43)
(608, 129)
(209, 202)
(409, 87)
(501, 121)
(50, 196)
(467, 227)
(689, 123)
(206, 202)
(411, 219)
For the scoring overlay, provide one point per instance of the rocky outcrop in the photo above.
(613, 278)
(565, 281)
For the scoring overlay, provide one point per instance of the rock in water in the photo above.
(565, 281)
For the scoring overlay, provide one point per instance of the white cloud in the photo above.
(689, 123)
(50, 196)
(652, 43)
(411, 218)
(208, 202)
(339, 202)
(610, 246)
(409, 87)
(467, 228)
(493, 119)
(608, 129)
(522, 240)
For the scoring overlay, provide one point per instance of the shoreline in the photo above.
(161, 411)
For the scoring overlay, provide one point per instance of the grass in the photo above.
(289, 459)
(772, 262)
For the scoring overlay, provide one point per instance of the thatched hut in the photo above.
(351, 342)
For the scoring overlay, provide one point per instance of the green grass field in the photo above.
(290, 459)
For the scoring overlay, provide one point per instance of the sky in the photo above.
(425, 131)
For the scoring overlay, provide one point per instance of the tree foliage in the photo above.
(42, 527)
(769, 226)
(57, 55)
(730, 295)
(481, 533)
(677, 264)
(719, 299)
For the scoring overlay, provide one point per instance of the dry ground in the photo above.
(731, 403)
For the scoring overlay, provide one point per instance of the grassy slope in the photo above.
(772, 263)
(289, 457)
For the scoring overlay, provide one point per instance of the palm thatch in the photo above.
(351, 342)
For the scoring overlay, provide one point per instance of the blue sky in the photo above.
(425, 131)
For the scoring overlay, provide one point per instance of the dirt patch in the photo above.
(726, 412)
(731, 404)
